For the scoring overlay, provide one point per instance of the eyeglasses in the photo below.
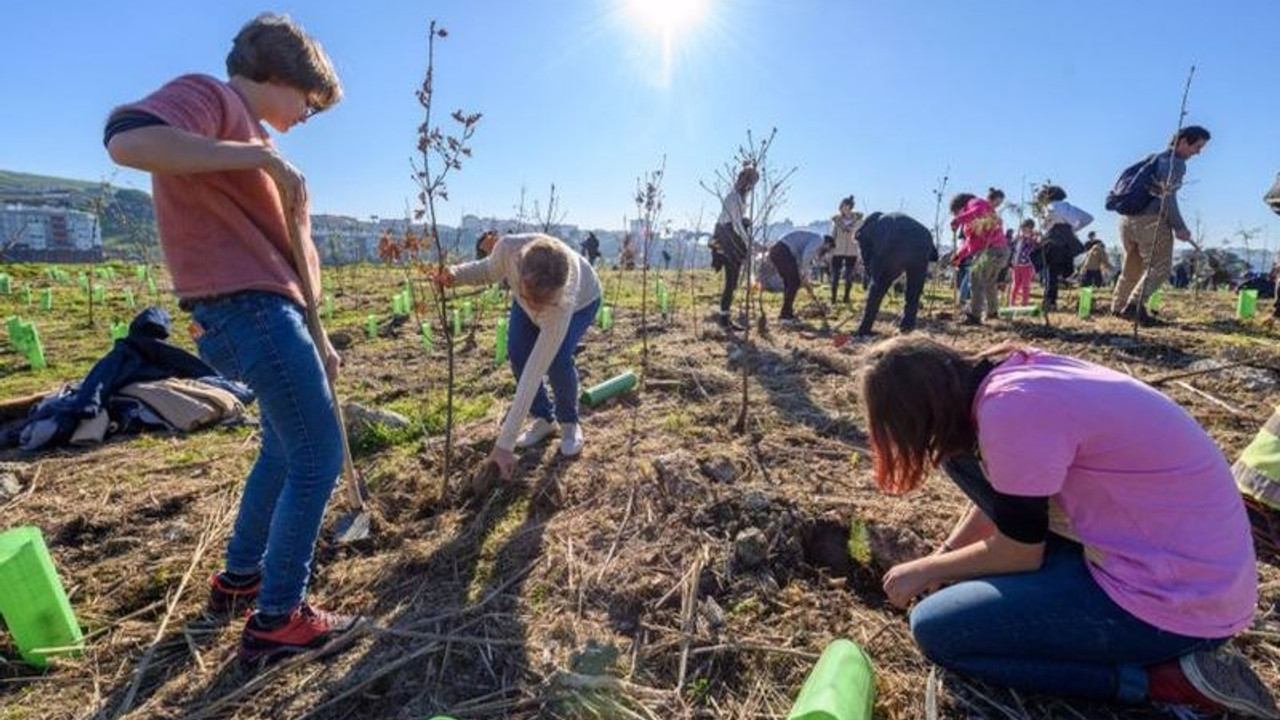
(311, 111)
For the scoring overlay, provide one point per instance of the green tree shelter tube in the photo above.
(842, 686)
(1086, 302)
(500, 342)
(1156, 300)
(32, 600)
(1247, 304)
(1020, 311)
(615, 385)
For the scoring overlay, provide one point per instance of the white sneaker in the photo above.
(536, 433)
(571, 440)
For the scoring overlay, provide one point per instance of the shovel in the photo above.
(355, 524)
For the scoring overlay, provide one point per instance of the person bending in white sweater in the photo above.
(555, 295)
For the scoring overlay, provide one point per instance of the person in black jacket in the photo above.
(893, 244)
(591, 247)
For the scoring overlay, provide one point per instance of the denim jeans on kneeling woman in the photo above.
(261, 339)
(1053, 630)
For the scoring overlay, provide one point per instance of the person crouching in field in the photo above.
(1105, 552)
(794, 257)
(555, 295)
(224, 198)
(891, 245)
(986, 248)
(1062, 221)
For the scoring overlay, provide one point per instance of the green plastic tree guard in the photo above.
(842, 686)
(35, 350)
(1156, 300)
(428, 340)
(46, 299)
(456, 318)
(99, 294)
(468, 312)
(128, 298)
(1020, 311)
(1086, 302)
(371, 326)
(397, 305)
(83, 280)
(22, 336)
(26, 295)
(6, 284)
(1247, 304)
(328, 307)
(606, 318)
(140, 272)
(500, 342)
(151, 284)
(600, 315)
(119, 331)
(615, 385)
(32, 600)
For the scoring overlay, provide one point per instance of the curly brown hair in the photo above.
(273, 48)
(958, 202)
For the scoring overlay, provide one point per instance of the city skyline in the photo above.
(878, 100)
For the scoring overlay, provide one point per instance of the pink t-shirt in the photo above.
(1141, 485)
(222, 232)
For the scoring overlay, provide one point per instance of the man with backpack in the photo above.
(1146, 196)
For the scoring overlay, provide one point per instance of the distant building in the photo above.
(49, 234)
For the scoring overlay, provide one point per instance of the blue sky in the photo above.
(875, 99)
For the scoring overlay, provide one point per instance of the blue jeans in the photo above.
(261, 339)
(962, 277)
(522, 333)
(1053, 630)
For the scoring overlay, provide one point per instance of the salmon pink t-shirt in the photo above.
(224, 231)
(1141, 485)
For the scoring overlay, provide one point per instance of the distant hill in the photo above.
(128, 216)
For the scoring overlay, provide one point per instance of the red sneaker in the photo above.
(1214, 680)
(305, 629)
(231, 598)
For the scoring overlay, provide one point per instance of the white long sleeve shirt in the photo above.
(581, 288)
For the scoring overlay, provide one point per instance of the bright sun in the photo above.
(664, 23)
(668, 17)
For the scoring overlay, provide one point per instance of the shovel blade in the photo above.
(352, 527)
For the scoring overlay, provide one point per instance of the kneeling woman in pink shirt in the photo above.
(556, 294)
(1105, 552)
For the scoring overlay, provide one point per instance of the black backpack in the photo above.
(1132, 192)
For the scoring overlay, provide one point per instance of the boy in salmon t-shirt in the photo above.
(223, 194)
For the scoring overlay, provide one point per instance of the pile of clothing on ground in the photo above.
(143, 383)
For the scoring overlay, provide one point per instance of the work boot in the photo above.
(970, 319)
(571, 439)
(269, 639)
(232, 593)
(536, 433)
(1214, 680)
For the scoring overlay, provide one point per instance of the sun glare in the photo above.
(663, 23)
(667, 16)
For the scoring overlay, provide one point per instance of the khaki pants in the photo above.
(984, 279)
(1148, 258)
